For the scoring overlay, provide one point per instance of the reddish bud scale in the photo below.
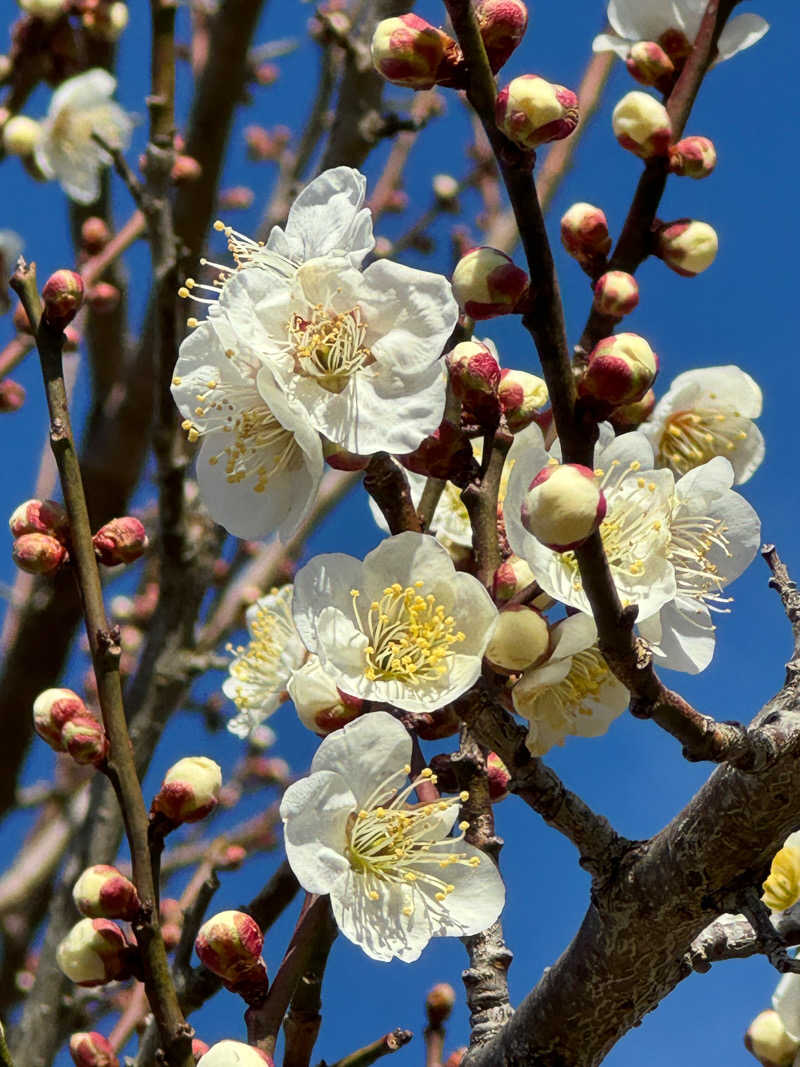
(190, 790)
(693, 157)
(85, 740)
(522, 397)
(229, 944)
(676, 44)
(51, 710)
(38, 553)
(628, 417)
(62, 296)
(532, 111)
(620, 370)
(91, 1049)
(475, 374)
(237, 198)
(199, 1048)
(447, 453)
(330, 719)
(102, 892)
(487, 283)
(342, 460)
(120, 541)
(408, 51)
(616, 294)
(649, 64)
(502, 25)
(511, 577)
(95, 235)
(455, 1058)
(12, 396)
(499, 777)
(39, 516)
(584, 234)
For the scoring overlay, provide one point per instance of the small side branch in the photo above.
(770, 941)
(390, 1042)
(786, 589)
(387, 484)
(732, 937)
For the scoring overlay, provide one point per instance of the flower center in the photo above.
(258, 665)
(392, 843)
(329, 346)
(693, 437)
(587, 673)
(410, 636)
(692, 538)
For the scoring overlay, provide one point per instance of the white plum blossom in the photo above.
(401, 627)
(260, 672)
(648, 20)
(260, 463)
(786, 1002)
(573, 692)
(395, 876)
(66, 150)
(705, 413)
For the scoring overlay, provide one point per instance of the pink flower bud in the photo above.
(95, 234)
(616, 293)
(563, 506)
(102, 892)
(502, 24)
(38, 553)
(649, 64)
(94, 952)
(487, 283)
(522, 397)
(171, 916)
(767, 1040)
(520, 639)
(92, 1050)
(199, 1048)
(185, 170)
(267, 73)
(85, 740)
(499, 777)
(620, 370)
(62, 296)
(693, 157)
(51, 710)
(688, 247)
(320, 705)
(260, 145)
(120, 541)
(641, 124)
(190, 790)
(444, 454)
(532, 111)
(474, 371)
(12, 396)
(232, 857)
(39, 516)
(629, 416)
(230, 944)
(237, 198)
(511, 577)
(407, 50)
(439, 1002)
(584, 234)
(235, 1054)
(103, 298)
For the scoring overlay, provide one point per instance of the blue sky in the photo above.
(742, 310)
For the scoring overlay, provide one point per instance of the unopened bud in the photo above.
(616, 293)
(320, 706)
(62, 296)
(235, 1054)
(621, 369)
(532, 111)
(474, 371)
(522, 397)
(511, 577)
(120, 541)
(116, 21)
(487, 283)
(51, 710)
(630, 416)
(12, 396)
(190, 789)
(199, 1048)
(520, 639)
(407, 50)
(649, 64)
(103, 298)
(688, 247)
(439, 1002)
(502, 24)
(237, 198)
(37, 553)
(39, 516)
(563, 506)
(94, 952)
(92, 1050)
(767, 1040)
(641, 124)
(21, 135)
(445, 189)
(268, 73)
(584, 234)
(186, 169)
(260, 145)
(499, 777)
(85, 740)
(170, 915)
(693, 157)
(230, 944)
(102, 892)
(46, 10)
(95, 234)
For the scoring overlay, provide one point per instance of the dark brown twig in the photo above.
(390, 1042)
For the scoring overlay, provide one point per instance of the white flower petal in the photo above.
(326, 579)
(786, 1002)
(740, 32)
(315, 811)
(682, 634)
(610, 42)
(366, 756)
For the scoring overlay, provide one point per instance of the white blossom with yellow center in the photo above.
(400, 627)
(395, 876)
(706, 413)
(260, 463)
(574, 692)
(66, 150)
(259, 674)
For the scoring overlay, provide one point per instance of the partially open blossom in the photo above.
(85, 740)
(92, 1050)
(234, 1054)
(767, 1039)
(584, 234)
(782, 887)
(39, 516)
(502, 24)
(532, 111)
(120, 541)
(511, 577)
(693, 157)
(627, 417)
(487, 283)
(94, 952)
(51, 709)
(522, 397)
(474, 373)
(641, 124)
(563, 506)
(62, 297)
(687, 246)
(621, 369)
(439, 1003)
(616, 293)
(229, 944)
(38, 553)
(190, 789)
(12, 396)
(395, 876)
(319, 704)
(21, 135)
(649, 64)
(498, 776)
(520, 639)
(102, 892)
(407, 50)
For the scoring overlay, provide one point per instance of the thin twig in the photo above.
(386, 482)
(772, 944)
(390, 1042)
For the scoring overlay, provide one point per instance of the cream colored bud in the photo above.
(584, 233)
(51, 710)
(21, 135)
(117, 20)
(532, 111)
(408, 51)
(190, 789)
(641, 124)
(768, 1041)
(230, 944)
(234, 1054)
(522, 397)
(687, 246)
(620, 370)
(102, 892)
(693, 157)
(520, 639)
(616, 293)
(564, 505)
(511, 577)
(445, 188)
(94, 952)
(39, 516)
(92, 1050)
(487, 283)
(320, 706)
(649, 64)
(37, 553)
(474, 371)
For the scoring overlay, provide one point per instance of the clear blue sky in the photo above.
(743, 310)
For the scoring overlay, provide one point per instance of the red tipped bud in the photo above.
(102, 892)
(62, 297)
(39, 516)
(92, 1050)
(190, 790)
(95, 234)
(563, 506)
(445, 454)
(267, 73)
(230, 944)
(522, 397)
(584, 234)
(499, 777)
(688, 247)
(237, 198)
(85, 740)
(51, 710)
(439, 1002)
(103, 298)
(486, 283)
(641, 124)
(94, 952)
(502, 24)
(185, 170)
(120, 541)
(767, 1040)
(38, 553)
(474, 372)
(12, 396)
(620, 370)
(320, 706)
(407, 50)
(629, 416)
(511, 577)
(649, 64)
(616, 293)
(235, 1054)
(199, 1048)
(693, 157)
(520, 639)
(532, 111)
